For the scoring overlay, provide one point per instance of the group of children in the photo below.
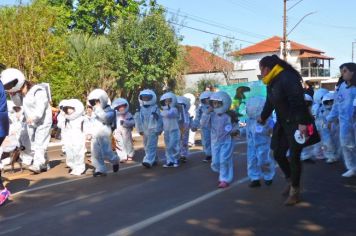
(171, 117)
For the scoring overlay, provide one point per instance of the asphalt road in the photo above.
(176, 201)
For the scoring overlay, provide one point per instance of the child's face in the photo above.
(168, 101)
(121, 108)
(89, 110)
(146, 98)
(216, 104)
(205, 101)
(69, 110)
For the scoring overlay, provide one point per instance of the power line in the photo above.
(220, 35)
(215, 24)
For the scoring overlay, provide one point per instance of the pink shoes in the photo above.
(4, 195)
(223, 184)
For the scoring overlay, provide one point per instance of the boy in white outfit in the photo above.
(73, 136)
(171, 129)
(183, 105)
(123, 132)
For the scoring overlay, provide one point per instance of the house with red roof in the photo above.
(204, 65)
(312, 63)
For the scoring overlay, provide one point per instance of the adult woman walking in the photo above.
(285, 95)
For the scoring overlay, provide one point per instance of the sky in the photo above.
(331, 28)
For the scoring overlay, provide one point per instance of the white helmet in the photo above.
(12, 79)
(76, 105)
(118, 103)
(182, 100)
(191, 97)
(254, 106)
(224, 98)
(318, 95)
(166, 96)
(205, 95)
(152, 99)
(328, 97)
(98, 94)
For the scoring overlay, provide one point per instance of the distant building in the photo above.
(203, 65)
(312, 64)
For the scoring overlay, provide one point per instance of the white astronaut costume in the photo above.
(343, 111)
(221, 141)
(170, 118)
(73, 136)
(183, 105)
(329, 137)
(105, 118)
(148, 121)
(123, 132)
(259, 159)
(316, 111)
(192, 109)
(38, 115)
(205, 130)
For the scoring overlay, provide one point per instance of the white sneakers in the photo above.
(349, 174)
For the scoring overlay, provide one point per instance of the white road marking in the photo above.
(10, 230)
(12, 217)
(86, 177)
(154, 219)
(64, 182)
(78, 198)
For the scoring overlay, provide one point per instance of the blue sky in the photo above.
(331, 29)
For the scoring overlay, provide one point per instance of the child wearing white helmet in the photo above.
(73, 135)
(192, 108)
(205, 131)
(222, 128)
(183, 105)
(104, 124)
(329, 133)
(37, 110)
(170, 117)
(260, 163)
(148, 121)
(123, 132)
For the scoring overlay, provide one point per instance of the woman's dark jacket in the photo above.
(285, 95)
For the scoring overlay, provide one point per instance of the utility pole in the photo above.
(284, 49)
(352, 57)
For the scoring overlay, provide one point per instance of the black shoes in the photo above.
(268, 182)
(115, 168)
(96, 174)
(146, 164)
(254, 184)
(183, 159)
(207, 159)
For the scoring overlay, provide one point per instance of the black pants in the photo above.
(1, 184)
(282, 141)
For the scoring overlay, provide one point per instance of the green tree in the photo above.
(146, 55)
(223, 49)
(27, 41)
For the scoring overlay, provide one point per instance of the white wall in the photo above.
(248, 66)
(191, 80)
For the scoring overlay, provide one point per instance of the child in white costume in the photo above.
(171, 129)
(259, 161)
(73, 135)
(123, 132)
(222, 128)
(183, 105)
